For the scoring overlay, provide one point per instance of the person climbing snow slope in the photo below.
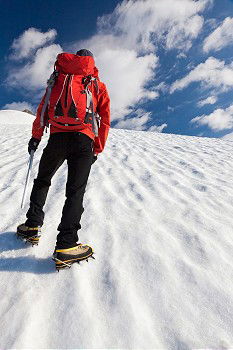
(76, 105)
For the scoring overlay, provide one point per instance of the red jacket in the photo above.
(82, 65)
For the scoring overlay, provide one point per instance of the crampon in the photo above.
(64, 258)
(29, 234)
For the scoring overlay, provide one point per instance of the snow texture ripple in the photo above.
(158, 214)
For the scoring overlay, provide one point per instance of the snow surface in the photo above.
(228, 136)
(158, 213)
(15, 117)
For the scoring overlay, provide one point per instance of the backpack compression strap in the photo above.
(90, 104)
(50, 83)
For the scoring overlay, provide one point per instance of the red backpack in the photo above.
(72, 93)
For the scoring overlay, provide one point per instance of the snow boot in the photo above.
(29, 234)
(64, 258)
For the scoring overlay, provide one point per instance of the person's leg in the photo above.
(52, 158)
(79, 164)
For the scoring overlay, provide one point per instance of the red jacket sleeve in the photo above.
(103, 109)
(37, 129)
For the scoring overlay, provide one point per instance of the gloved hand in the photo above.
(95, 157)
(33, 144)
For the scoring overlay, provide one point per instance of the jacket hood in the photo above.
(69, 63)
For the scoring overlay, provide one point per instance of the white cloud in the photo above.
(209, 100)
(141, 23)
(19, 106)
(40, 54)
(181, 55)
(163, 87)
(30, 40)
(126, 42)
(124, 47)
(220, 119)
(127, 78)
(182, 33)
(212, 73)
(135, 123)
(156, 128)
(35, 73)
(139, 122)
(125, 73)
(220, 37)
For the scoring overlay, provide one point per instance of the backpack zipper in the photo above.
(73, 96)
(67, 88)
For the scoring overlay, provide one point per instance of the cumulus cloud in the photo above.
(209, 100)
(157, 128)
(141, 23)
(220, 119)
(126, 42)
(34, 74)
(31, 39)
(39, 54)
(212, 73)
(139, 122)
(19, 106)
(135, 123)
(124, 46)
(220, 37)
(126, 80)
(125, 72)
(181, 34)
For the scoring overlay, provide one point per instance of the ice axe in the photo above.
(28, 177)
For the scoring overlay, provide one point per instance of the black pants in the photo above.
(77, 149)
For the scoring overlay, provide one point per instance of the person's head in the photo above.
(84, 52)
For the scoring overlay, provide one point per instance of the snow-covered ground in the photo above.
(15, 117)
(228, 136)
(159, 215)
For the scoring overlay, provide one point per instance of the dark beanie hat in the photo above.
(84, 52)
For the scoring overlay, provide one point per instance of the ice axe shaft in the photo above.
(27, 178)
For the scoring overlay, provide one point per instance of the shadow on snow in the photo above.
(30, 264)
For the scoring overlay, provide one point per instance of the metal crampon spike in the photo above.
(93, 257)
(62, 268)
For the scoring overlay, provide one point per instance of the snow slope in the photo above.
(228, 136)
(15, 117)
(158, 213)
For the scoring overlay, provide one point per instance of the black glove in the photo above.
(94, 158)
(33, 144)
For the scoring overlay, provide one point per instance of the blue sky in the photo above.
(168, 64)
